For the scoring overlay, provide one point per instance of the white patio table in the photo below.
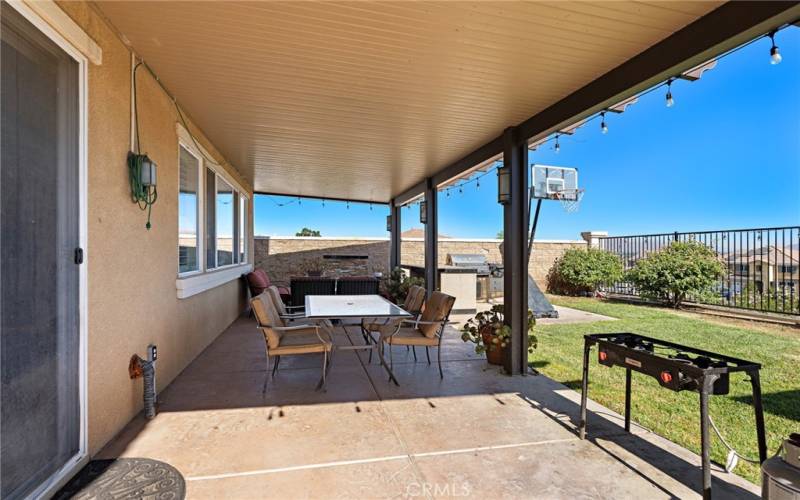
(356, 307)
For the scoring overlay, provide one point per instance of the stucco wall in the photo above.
(132, 271)
(284, 257)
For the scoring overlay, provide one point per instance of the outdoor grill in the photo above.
(490, 276)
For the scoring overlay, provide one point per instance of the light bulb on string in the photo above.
(370, 207)
(460, 190)
(603, 126)
(348, 205)
(323, 202)
(670, 100)
(774, 52)
(299, 201)
(478, 183)
(558, 146)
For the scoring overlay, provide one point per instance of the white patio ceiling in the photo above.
(363, 100)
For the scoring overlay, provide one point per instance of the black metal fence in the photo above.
(762, 265)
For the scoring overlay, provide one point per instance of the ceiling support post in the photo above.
(515, 252)
(431, 237)
(394, 236)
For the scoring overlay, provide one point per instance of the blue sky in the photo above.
(725, 156)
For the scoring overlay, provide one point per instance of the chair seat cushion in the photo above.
(408, 336)
(300, 343)
(376, 326)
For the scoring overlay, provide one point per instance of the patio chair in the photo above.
(258, 281)
(426, 331)
(415, 298)
(282, 340)
(295, 317)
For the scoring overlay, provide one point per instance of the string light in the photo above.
(478, 183)
(323, 202)
(370, 207)
(670, 100)
(460, 191)
(558, 146)
(774, 53)
(348, 205)
(299, 201)
(603, 126)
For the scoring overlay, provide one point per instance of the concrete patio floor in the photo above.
(476, 433)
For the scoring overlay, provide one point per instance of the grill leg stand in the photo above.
(755, 381)
(584, 389)
(627, 400)
(705, 441)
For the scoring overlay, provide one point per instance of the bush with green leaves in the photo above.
(396, 285)
(677, 272)
(583, 270)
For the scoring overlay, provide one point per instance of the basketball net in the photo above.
(570, 199)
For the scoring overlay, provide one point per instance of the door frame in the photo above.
(66, 471)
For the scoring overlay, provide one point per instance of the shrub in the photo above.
(581, 270)
(676, 272)
(395, 286)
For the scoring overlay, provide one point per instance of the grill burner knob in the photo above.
(666, 377)
(603, 355)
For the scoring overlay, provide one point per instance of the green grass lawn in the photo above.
(676, 415)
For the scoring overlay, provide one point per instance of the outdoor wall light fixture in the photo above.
(557, 146)
(389, 223)
(670, 100)
(142, 177)
(503, 185)
(774, 52)
(423, 212)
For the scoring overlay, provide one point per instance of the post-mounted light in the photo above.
(503, 185)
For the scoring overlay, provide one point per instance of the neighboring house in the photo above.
(768, 268)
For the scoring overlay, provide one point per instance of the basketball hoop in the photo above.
(570, 199)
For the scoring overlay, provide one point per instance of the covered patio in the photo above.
(382, 103)
(475, 433)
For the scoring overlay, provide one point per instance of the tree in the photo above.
(501, 234)
(583, 270)
(307, 232)
(681, 270)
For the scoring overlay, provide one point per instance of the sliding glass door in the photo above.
(40, 342)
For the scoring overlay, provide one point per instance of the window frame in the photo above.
(201, 227)
(204, 278)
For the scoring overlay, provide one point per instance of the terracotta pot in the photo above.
(495, 354)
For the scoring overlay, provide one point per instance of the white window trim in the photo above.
(52, 27)
(193, 282)
(203, 282)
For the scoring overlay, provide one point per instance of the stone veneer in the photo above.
(286, 256)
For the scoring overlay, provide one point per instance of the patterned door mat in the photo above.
(125, 478)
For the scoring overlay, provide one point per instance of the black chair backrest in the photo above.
(357, 286)
(302, 286)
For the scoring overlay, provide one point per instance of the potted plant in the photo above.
(314, 267)
(491, 335)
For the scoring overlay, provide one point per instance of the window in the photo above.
(242, 228)
(212, 221)
(188, 211)
(225, 223)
